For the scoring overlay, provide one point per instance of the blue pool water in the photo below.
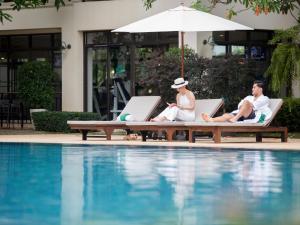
(74, 184)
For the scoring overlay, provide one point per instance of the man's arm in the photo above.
(261, 102)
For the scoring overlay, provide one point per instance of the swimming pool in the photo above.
(109, 185)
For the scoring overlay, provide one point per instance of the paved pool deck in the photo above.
(227, 142)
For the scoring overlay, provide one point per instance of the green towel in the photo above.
(262, 118)
(123, 116)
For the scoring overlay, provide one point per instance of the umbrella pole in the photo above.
(182, 53)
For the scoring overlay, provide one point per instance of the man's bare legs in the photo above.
(245, 111)
(223, 118)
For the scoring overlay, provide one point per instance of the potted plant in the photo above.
(36, 86)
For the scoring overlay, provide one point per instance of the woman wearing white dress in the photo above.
(183, 109)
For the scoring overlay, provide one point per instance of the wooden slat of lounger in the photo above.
(107, 128)
(168, 127)
(218, 130)
(96, 123)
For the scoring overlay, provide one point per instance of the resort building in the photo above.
(94, 64)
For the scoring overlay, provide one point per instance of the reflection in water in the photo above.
(72, 187)
(54, 184)
(259, 174)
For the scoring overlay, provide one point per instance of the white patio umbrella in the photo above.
(182, 19)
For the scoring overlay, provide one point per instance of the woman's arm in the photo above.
(191, 106)
(174, 104)
(177, 101)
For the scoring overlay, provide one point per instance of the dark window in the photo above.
(238, 50)
(168, 37)
(219, 50)
(250, 44)
(96, 38)
(19, 57)
(41, 41)
(259, 36)
(219, 36)
(3, 42)
(41, 56)
(237, 36)
(120, 38)
(18, 49)
(3, 57)
(19, 42)
(146, 38)
(57, 41)
(257, 52)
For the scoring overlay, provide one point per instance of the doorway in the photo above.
(108, 80)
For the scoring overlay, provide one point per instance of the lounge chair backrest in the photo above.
(208, 106)
(141, 107)
(275, 105)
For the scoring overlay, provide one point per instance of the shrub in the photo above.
(289, 115)
(57, 121)
(230, 78)
(36, 84)
(156, 71)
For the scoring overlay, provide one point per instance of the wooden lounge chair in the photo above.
(217, 128)
(140, 107)
(211, 106)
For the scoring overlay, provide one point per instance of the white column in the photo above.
(204, 50)
(194, 40)
(72, 65)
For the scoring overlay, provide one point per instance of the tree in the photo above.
(285, 62)
(21, 4)
(258, 6)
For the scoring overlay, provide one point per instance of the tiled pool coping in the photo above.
(227, 142)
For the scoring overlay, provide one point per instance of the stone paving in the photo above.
(228, 142)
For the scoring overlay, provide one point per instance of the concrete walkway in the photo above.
(228, 142)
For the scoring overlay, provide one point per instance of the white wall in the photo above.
(296, 88)
(73, 19)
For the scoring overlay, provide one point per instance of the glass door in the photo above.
(3, 74)
(97, 89)
(120, 84)
(108, 80)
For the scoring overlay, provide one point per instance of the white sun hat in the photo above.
(179, 82)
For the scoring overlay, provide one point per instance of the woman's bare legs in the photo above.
(158, 119)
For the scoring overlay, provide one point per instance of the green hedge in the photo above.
(289, 115)
(57, 121)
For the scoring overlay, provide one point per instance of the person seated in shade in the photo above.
(183, 109)
(249, 108)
